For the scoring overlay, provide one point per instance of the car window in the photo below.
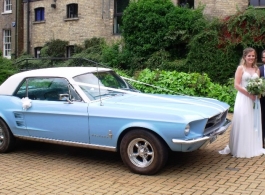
(105, 79)
(51, 89)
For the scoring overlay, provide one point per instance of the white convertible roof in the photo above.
(10, 85)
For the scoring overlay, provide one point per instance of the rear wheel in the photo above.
(7, 140)
(143, 152)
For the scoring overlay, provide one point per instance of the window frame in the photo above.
(261, 3)
(7, 43)
(183, 3)
(37, 52)
(72, 10)
(118, 12)
(7, 6)
(39, 14)
(70, 50)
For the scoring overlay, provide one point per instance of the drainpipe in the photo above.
(28, 41)
(16, 31)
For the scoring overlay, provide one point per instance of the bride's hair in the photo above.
(245, 53)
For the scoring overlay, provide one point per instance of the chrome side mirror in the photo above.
(65, 97)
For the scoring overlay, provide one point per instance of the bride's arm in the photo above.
(258, 72)
(237, 83)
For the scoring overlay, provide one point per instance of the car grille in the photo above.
(215, 122)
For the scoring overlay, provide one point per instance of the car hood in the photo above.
(185, 106)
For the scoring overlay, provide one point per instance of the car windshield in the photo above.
(96, 83)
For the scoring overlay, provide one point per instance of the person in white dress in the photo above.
(262, 99)
(246, 132)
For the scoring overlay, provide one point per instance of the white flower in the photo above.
(26, 103)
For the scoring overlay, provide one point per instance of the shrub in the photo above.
(111, 55)
(205, 57)
(92, 49)
(6, 69)
(145, 25)
(54, 48)
(194, 84)
(218, 48)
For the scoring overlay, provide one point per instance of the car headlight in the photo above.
(187, 129)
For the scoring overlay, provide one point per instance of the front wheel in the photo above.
(143, 152)
(6, 138)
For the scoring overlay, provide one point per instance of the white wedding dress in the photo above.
(246, 133)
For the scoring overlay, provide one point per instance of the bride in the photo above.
(246, 132)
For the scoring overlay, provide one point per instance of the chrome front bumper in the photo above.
(210, 137)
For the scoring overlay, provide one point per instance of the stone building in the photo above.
(77, 20)
(221, 8)
(11, 26)
(68, 20)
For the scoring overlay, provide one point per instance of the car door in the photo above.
(50, 117)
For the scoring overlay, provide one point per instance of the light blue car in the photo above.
(95, 108)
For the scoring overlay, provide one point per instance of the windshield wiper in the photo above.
(130, 89)
(110, 93)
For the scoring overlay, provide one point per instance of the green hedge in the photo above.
(218, 48)
(6, 69)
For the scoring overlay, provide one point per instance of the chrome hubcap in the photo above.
(1, 136)
(140, 152)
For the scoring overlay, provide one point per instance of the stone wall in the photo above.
(95, 19)
(221, 8)
(6, 20)
(10, 21)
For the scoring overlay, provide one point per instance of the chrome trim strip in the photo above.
(68, 143)
(180, 141)
(220, 131)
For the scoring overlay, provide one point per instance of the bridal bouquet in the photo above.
(256, 86)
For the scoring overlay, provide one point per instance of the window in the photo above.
(37, 52)
(186, 3)
(39, 14)
(7, 6)
(105, 79)
(120, 5)
(72, 10)
(70, 51)
(257, 2)
(48, 89)
(7, 43)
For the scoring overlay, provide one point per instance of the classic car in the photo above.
(93, 107)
